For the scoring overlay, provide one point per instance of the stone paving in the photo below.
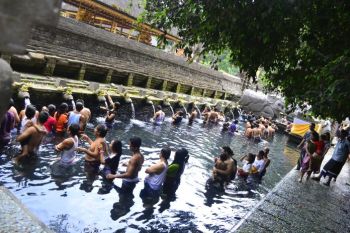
(14, 217)
(303, 207)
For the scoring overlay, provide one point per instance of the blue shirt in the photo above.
(233, 128)
(341, 151)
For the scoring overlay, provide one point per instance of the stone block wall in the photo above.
(78, 41)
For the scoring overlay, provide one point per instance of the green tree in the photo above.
(303, 46)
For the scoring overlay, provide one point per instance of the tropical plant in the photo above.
(303, 46)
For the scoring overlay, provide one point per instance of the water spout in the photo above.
(154, 110)
(106, 105)
(172, 110)
(26, 102)
(233, 115)
(199, 112)
(132, 110)
(185, 111)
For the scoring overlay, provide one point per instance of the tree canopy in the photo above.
(303, 46)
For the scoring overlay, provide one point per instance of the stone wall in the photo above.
(75, 40)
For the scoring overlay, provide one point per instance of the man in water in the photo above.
(85, 112)
(32, 137)
(159, 116)
(225, 167)
(213, 116)
(75, 117)
(130, 177)
(192, 116)
(177, 118)
(233, 127)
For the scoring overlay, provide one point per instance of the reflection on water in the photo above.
(69, 203)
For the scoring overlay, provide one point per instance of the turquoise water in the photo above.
(66, 206)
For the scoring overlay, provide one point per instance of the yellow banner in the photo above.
(301, 129)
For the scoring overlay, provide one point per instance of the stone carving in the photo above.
(5, 86)
(18, 17)
(16, 21)
(261, 104)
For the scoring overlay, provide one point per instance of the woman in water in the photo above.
(68, 146)
(61, 119)
(175, 170)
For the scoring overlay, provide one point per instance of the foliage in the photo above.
(303, 46)
(220, 62)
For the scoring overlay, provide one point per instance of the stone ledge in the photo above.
(306, 207)
(15, 217)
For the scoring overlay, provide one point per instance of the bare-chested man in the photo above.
(130, 177)
(213, 116)
(225, 167)
(85, 112)
(92, 155)
(271, 130)
(192, 116)
(256, 133)
(32, 137)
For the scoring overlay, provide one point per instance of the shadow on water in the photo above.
(68, 201)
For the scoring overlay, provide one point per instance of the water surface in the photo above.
(66, 205)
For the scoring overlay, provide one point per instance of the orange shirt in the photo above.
(61, 122)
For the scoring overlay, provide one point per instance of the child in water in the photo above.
(247, 166)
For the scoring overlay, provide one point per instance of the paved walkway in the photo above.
(307, 207)
(14, 217)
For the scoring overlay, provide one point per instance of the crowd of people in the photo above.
(69, 122)
(313, 150)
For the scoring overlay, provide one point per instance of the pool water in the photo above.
(66, 205)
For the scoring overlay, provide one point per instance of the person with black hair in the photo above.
(340, 155)
(61, 119)
(92, 155)
(111, 162)
(192, 116)
(177, 117)
(7, 123)
(159, 116)
(130, 177)
(111, 112)
(67, 147)
(247, 168)
(306, 137)
(32, 137)
(85, 112)
(225, 166)
(156, 175)
(175, 170)
(51, 121)
(14, 112)
(75, 117)
(28, 119)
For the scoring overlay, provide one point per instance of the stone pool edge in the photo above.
(243, 220)
(16, 217)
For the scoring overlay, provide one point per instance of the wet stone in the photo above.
(15, 218)
(304, 207)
